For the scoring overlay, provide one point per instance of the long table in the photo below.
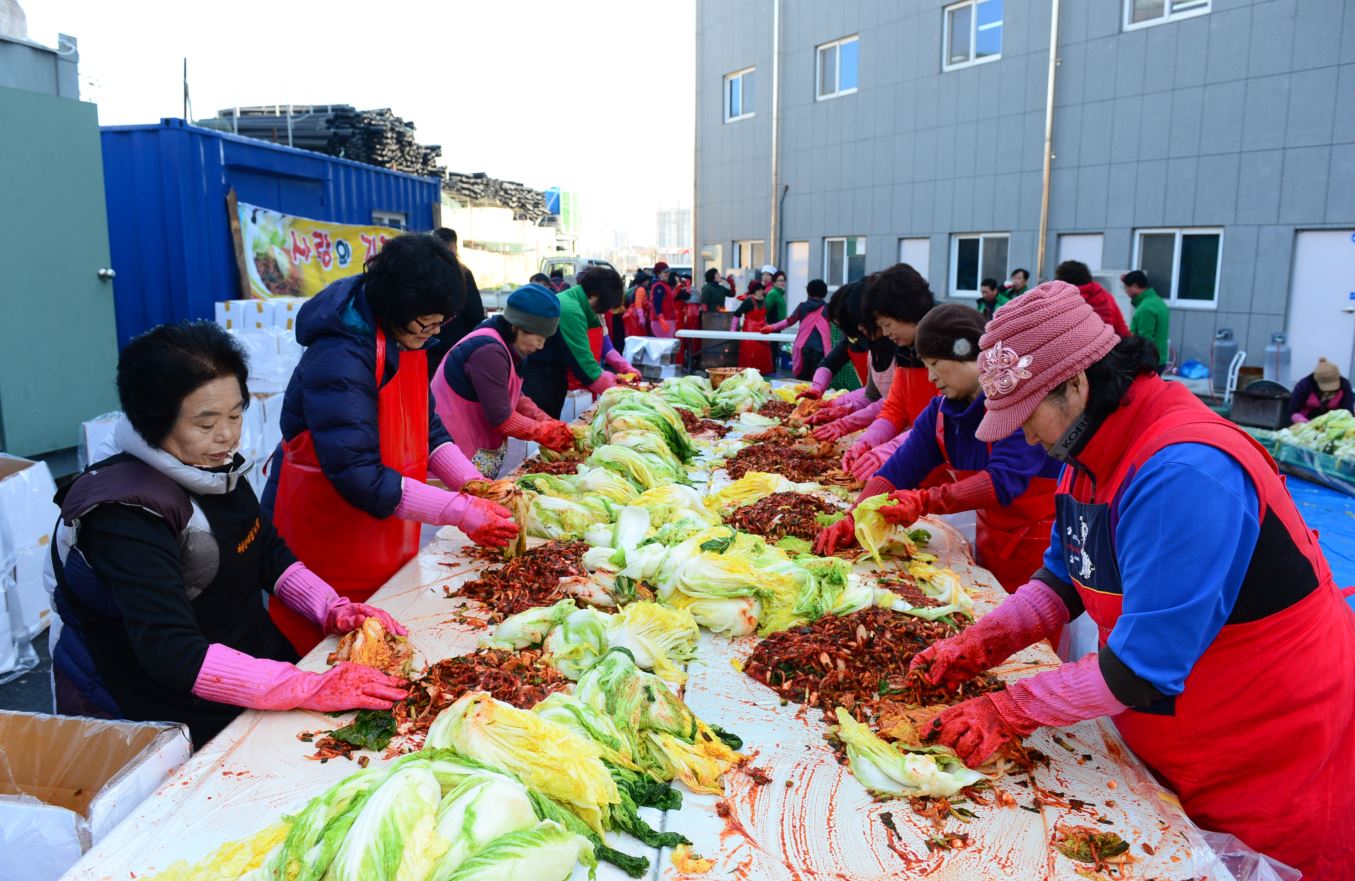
(813, 820)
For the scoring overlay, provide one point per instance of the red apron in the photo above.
(860, 361)
(1009, 540)
(352, 550)
(754, 354)
(595, 338)
(1261, 743)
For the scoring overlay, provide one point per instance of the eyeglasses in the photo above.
(432, 326)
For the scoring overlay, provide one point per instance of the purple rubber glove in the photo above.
(1074, 692)
(1031, 614)
(311, 597)
(614, 362)
(875, 458)
(231, 677)
(879, 431)
(602, 383)
(451, 466)
(484, 522)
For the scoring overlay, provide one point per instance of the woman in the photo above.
(813, 339)
(1318, 393)
(662, 309)
(1227, 656)
(1077, 274)
(891, 308)
(359, 432)
(579, 354)
(161, 552)
(688, 318)
(839, 368)
(478, 387)
(713, 293)
(635, 314)
(752, 315)
(1009, 483)
(775, 300)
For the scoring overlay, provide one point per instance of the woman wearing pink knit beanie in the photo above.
(1224, 642)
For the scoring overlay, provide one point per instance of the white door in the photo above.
(917, 253)
(1322, 301)
(797, 273)
(1083, 247)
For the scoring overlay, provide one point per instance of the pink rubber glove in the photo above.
(1031, 614)
(451, 466)
(823, 377)
(976, 728)
(1298, 419)
(311, 597)
(602, 383)
(852, 421)
(614, 362)
(879, 431)
(231, 677)
(875, 459)
(971, 494)
(484, 522)
(777, 327)
(841, 406)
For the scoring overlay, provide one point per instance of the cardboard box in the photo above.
(27, 518)
(68, 781)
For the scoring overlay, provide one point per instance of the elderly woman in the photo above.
(478, 387)
(360, 437)
(1227, 655)
(162, 553)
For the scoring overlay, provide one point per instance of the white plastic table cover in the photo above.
(812, 821)
(736, 335)
(648, 349)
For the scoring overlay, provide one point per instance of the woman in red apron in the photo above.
(1227, 654)
(753, 314)
(347, 491)
(1009, 483)
(478, 386)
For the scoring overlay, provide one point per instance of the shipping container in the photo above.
(168, 225)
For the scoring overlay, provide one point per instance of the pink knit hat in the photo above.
(1033, 343)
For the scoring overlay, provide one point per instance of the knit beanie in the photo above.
(950, 333)
(534, 309)
(1327, 375)
(1037, 341)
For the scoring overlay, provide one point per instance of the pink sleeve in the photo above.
(306, 593)
(451, 466)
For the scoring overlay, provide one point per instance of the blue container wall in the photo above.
(168, 230)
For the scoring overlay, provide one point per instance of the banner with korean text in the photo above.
(286, 256)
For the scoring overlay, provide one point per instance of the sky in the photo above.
(595, 96)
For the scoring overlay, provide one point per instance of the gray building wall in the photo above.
(35, 68)
(1243, 118)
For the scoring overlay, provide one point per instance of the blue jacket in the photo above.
(333, 394)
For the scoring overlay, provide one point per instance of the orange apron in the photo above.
(352, 550)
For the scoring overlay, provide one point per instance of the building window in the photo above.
(1144, 13)
(749, 254)
(1182, 264)
(974, 258)
(836, 71)
(393, 219)
(844, 260)
(973, 33)
(740, 92)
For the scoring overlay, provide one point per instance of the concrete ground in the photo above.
(31, 692)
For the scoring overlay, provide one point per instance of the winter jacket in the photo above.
(568, 348)
(713, 296)
(1104, 305)
(776, 305)
(333, 395)
(1306, 404)
(1151, 320)
(986, 309)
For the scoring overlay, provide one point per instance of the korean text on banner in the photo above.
(289, 256)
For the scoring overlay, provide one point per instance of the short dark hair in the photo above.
(445, 235)
(1136, 277)
(672, 279)
(754, 286)
(778, 274)
(1109, 378)
(604, 283)
(160, 368)
(540, 278)
(711, 275)
(413, 275)
(844, 309)
(557, 273)
(899, 292)
(817, 288)
(1075, 272)
(988, 283)
(1024, 273)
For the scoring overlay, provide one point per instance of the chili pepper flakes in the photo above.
(803, 462)
(526, 581)
(781, 514)
(776, 409)
(696, 425)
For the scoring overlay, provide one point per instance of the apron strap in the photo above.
(380, 356)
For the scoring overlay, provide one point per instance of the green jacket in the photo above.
(987, 309)
(776, 305)
(576, 319)
(1151, 320)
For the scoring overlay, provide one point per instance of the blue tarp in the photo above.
(1332, 514)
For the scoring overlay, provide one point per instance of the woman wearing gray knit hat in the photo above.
(478, 387)
(1009, 483)
(1227, 654)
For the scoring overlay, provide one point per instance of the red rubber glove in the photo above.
(825, 415)
(841, 534)
(1031, 614)
(766, 328)
(905, 507)
(975, 729)
(554, 435)
(809, 394)
(487, 524)
(345, 616)
(971, 494)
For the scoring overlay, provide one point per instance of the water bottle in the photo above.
(1221, 357)
(1278, 355)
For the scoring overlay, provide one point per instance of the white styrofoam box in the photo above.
(28, 517)
(640, 350)
(284, 311)
(576, 402)
(243, 314)
(273, 355)
(95, 434)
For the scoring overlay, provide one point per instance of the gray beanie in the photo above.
(534, 309)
